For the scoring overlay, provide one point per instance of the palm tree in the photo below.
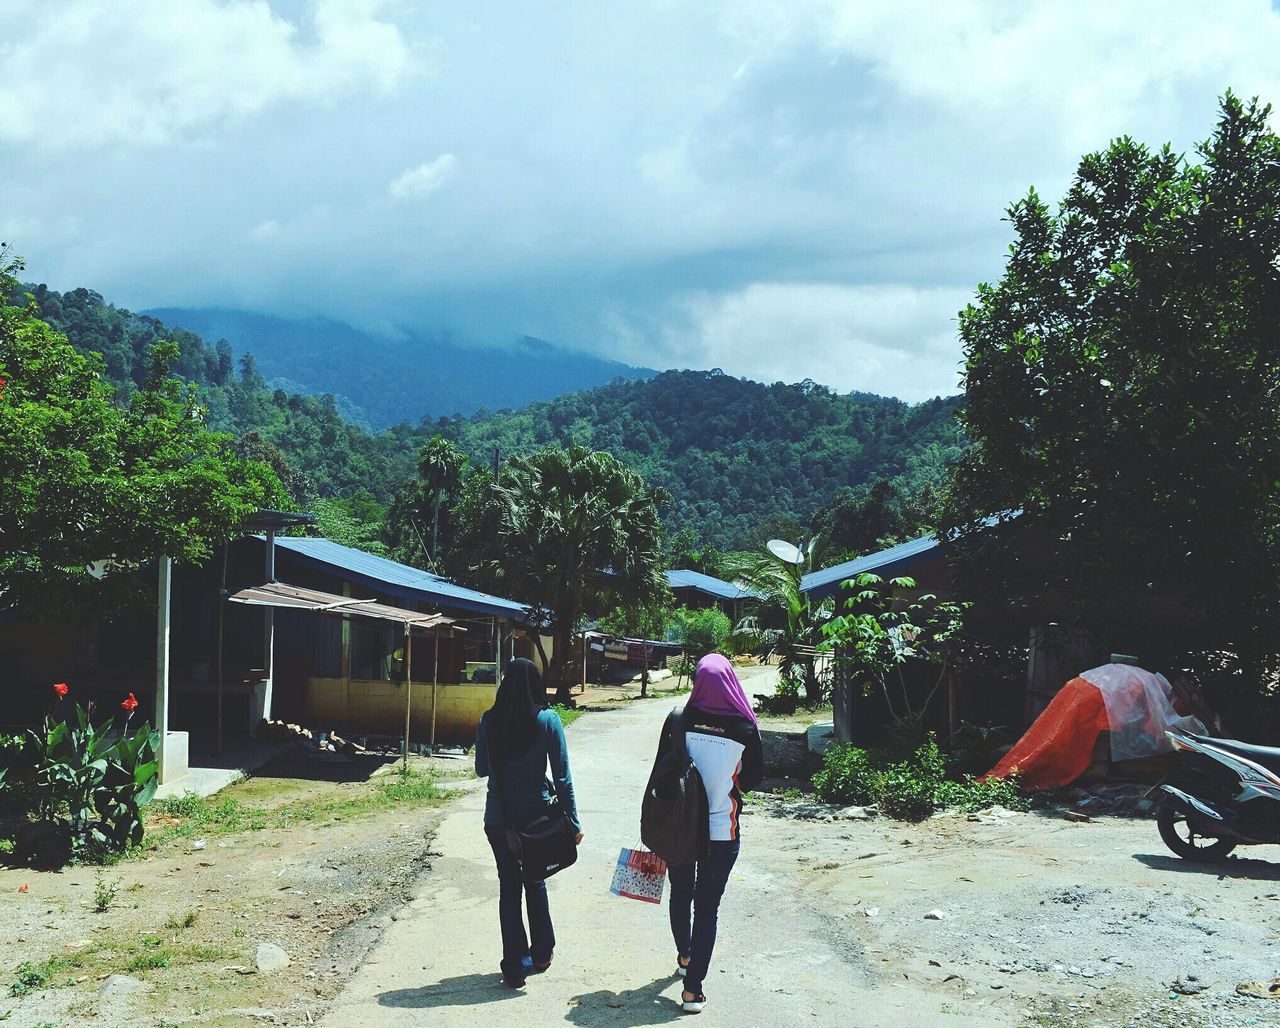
(778, 582)
(440, 466)
(579, 532)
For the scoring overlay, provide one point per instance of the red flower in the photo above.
(22, 888)
(61, 689)
(129, 704)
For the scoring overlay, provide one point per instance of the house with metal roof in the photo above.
(923, 559)
(696, 591)
(924, 553)
(348, 671)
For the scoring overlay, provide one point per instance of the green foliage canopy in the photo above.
(569, 531)
(1123, 389)
(90, 490)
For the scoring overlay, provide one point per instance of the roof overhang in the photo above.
(292, 597)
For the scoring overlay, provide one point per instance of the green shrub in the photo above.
(846, 776)
(910, 789)
(703, 631)
(906, 792)
(92, 785)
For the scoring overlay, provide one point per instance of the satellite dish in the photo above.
(786, 552)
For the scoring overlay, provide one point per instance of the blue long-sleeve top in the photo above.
(528, 789)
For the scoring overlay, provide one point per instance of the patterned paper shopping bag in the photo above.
(639, 875)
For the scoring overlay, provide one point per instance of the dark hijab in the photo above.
(511, 726)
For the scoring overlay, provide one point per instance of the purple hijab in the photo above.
(716, 689)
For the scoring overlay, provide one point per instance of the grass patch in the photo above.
(190, 816)
(112, 955)
(568, 715)
(179, 924)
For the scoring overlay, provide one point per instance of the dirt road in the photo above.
(781, 959)
(1042, 921)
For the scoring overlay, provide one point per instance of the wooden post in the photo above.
(269, 633)
(163, 589)
(435, 681)
(222, 610)
(584, 662)
(408, 687)
(953, 700)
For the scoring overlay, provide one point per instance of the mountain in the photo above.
(379, 381)
(734, 454)
(740, 459)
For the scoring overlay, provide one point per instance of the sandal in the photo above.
(692, 1006)
(682, 965)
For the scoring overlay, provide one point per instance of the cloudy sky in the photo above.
(806, 188)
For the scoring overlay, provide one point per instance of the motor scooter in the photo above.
(1221, 794)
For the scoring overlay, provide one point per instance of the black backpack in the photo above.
(674, 817)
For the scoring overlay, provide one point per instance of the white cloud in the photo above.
(783, 188)
(422, 180)
(892, 339)
(100, 72)
(265, 230)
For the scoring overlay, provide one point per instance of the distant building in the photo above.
(697, 591)
(326, 669)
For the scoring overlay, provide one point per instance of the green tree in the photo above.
(358, 521)
(644, 619)
(1122, 387)
(879, 627)
(568, 531)
(89, 490)
(787, 609)
(703, 631)
(441, 466)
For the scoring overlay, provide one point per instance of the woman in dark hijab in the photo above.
(517, 738)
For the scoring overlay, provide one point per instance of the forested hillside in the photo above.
(736, 454)
(382, 382)
(327, 455)
(740, 459)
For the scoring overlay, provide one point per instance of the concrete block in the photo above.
(174, 757)
(820, 736)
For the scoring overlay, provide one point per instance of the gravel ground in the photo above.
(1036, 919)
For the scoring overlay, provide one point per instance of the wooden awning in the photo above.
(293, 597)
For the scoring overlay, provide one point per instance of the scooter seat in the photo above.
(1267, 756)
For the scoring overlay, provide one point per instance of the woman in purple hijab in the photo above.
(723, 740)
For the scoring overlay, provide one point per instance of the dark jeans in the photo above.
(515, 944)
(699, 885)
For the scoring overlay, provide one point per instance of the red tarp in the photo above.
(1058, 748)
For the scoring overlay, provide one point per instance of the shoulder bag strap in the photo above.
(677, 732)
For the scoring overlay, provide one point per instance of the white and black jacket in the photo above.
(726, 750)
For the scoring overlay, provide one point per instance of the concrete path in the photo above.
(778, 960)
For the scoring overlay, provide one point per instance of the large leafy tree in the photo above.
(89, 490)
(572, 532)
(1123, 392)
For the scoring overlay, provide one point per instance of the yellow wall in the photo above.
(378, 708)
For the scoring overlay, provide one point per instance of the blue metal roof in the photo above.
(713, 586)
(821, 584)
(394, 579)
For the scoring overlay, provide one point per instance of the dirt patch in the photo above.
(1030, 918)
(312, 857)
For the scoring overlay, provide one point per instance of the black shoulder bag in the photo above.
(675, 820)
(544, 846)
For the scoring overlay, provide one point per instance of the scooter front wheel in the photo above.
(1185, 841)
